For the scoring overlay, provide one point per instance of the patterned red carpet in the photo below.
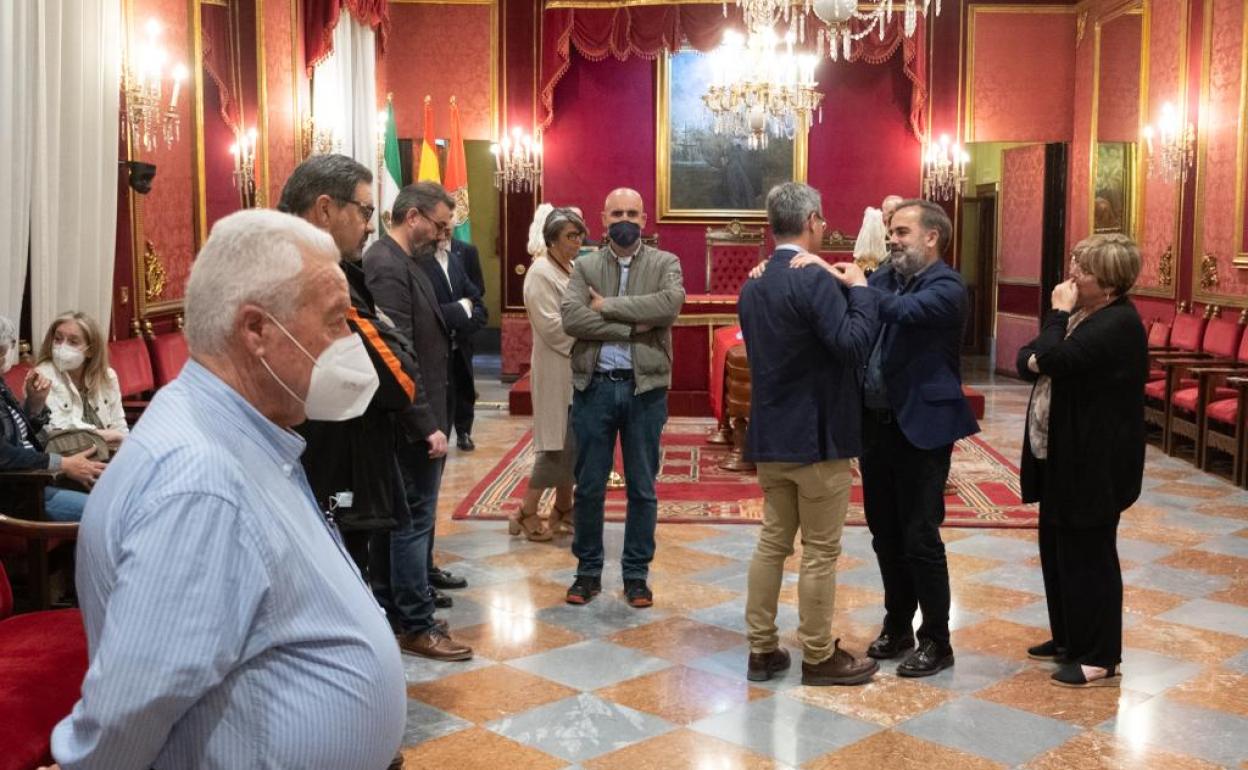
(692, 488)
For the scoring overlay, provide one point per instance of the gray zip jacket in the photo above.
(653, 298)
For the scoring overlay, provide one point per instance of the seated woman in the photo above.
(85, 393)
(19, 445)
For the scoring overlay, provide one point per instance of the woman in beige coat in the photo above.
(562, 231)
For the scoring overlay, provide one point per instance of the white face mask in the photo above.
(67, 358)
(343, 379)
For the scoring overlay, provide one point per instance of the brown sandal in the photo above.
(561, 520)
(530, 525)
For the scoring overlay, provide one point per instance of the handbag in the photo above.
(75, 440)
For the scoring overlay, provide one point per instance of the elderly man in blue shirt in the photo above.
(227, 625)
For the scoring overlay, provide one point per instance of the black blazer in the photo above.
(463, 324)
(470, 260)
(404, 293)
(923, 367)
(1095, 462)
(14, 456)
(807, 337)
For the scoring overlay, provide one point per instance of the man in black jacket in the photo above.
(464, 310)
(421, 214)
(351, 465)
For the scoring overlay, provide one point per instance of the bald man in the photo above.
(620, 305)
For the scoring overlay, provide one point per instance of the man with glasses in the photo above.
(421, 215)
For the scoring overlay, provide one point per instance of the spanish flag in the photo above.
(456, 182)
(428, 169)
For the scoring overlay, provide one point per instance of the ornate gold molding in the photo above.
(1165, 267)
(153, 272)
(1208, 271)
(1081, 26)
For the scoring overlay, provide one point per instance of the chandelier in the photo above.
(244, 152)
(760, 89)
(517, 162)
(834, 35)
(944, 170)
(1173, 158)
(148, 118)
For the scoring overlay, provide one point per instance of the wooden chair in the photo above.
(1224, 426)
(1191, 380)
(1187, 339)
(731, 252)
(738, 408)
(25, 530)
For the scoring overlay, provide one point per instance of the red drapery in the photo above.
(647, 31)
(321, 16)
(219, 61)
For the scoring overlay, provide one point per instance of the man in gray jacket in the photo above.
(620, 305)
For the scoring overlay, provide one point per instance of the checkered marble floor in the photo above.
(605, 686)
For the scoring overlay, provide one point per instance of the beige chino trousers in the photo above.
(812, 499)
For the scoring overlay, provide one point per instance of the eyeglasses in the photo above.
(442, 227)
(365, 208)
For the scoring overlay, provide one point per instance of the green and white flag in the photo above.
(390, 179)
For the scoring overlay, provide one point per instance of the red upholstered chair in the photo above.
(731, 252)
(169, 354)
(130, 359)
(15, 378)
(1198, 382)
(1158, 339)
(1225, 428)
(836, 247)
(1186, 339)
(43, 659)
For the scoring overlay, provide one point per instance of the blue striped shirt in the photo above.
(227, 627)
(617, 355)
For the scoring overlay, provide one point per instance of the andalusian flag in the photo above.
(456, 182)
(390, 178)
(428, 169)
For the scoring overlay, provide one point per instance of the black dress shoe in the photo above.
(1047, 651)
(441, 600)
(932, 657)
(764, 665)
(888, 646)
(440, 578)
(464, 442)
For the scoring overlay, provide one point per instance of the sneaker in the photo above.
(583, 589)
(637, 594)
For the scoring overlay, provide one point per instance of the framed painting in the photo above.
(1113, 202)
(703, 176)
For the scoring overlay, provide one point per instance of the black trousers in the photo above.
(904, 498)
(465, 390)
(1083, 589)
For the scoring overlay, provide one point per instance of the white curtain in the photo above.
(344, 91)
(74, 191)
(17, 87)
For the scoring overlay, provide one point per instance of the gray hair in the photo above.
(8, 332)
(789, 205)
(252, 256)
(422, 196)
(334, 175)
(931, 217)
(555, 222)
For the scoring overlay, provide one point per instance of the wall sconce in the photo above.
(1170, 156)
(244, 152)
(944, 169)
(316, 141)
(517, 162)
(143, 89)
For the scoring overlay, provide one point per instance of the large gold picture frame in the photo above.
(707, 177)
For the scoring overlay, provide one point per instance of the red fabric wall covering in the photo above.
(1022, 212)
(442, 51)
(603, 137)
(1118, 109)
(1018, 300)
(1012, 333)
(282, 79)
(1022, 76)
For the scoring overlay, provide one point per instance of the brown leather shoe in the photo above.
(435, 643)
(841, 668)
(765, 665)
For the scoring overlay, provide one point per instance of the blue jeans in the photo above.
(63, 504)
(412, 598)
(602, 411)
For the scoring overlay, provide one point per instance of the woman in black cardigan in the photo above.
(1083, 453)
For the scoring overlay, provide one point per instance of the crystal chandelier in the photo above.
(244, 152)
(148, 118)
(1171, 160)
(517, 162)
(944, 170)
(834, 34)
(760, 89)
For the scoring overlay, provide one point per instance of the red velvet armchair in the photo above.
(130, 359)
(731, 252)
(1225, 428)
(1201, 382)
(1187, 341)
(169, 355)
(43, 659)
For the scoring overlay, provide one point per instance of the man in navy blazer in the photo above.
(914, 412)
(807, 334)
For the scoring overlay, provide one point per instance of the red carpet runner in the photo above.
(692, 488)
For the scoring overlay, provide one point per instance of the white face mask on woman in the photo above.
(343, 379)
(67, 358)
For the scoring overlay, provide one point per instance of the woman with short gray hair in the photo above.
(550, 374)
(1083, 453)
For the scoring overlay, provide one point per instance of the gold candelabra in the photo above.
(944, 169)
(517, 161)
(1171, 155)
(244, 152)
(149, 118)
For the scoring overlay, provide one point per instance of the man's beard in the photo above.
(907, 260)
